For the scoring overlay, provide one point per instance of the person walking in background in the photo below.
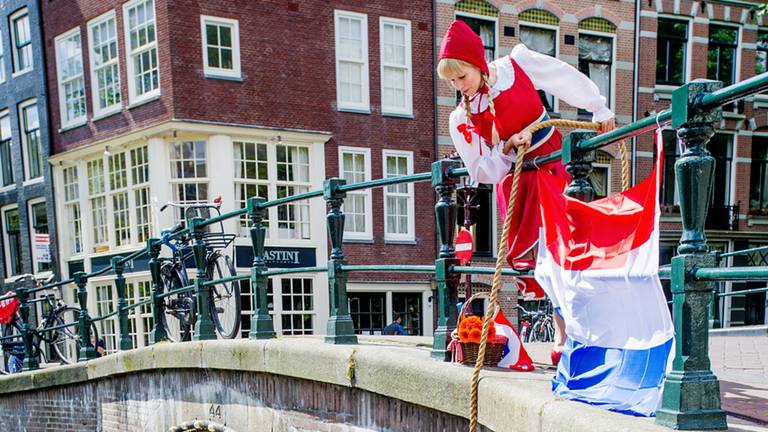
(396, 328)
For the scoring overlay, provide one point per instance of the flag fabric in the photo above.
(598, 262)
(515, 356)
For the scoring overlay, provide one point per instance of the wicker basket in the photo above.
(494, 349)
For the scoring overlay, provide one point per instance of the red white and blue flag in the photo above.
(515, 356)
(598, 263)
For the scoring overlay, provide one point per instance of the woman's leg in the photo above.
(557, 348)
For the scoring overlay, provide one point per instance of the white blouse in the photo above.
(546, 73)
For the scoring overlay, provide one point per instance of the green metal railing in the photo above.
(694, 273)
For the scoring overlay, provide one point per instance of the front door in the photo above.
(409, 306)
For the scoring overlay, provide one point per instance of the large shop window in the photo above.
(105, 304)
(69, 67)
(293, 179)
(39, 235)
(72, 210)
(395, 49)
(671, 51)
(21, 39)
(368, 312)
(355, 167)
(351, 34)
(251, 179)
(596, 62)
(141, 50)
(6, 142)
(105, 65)
(721, 56)
(189, 175)
(140, 320)
(30, 138)
(12, 241)
(221, 46)
(398, 199)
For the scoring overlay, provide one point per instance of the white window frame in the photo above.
(69, 203)
(408, 110)
(366, 152)
(96, 102)
(103, 307)
(5, 113)
(243, 228)
(301, 206)
(365, 105)
(133, 98)
(83, 118)
(15, 54)
(688, 51)
(197, 181)
(22, 132)
(611, 36)
(6, 242)
(105, 244)
(32, 232)
(411, 235)
(2, 60)
(140, 319)
(555, 99)
(213, 72)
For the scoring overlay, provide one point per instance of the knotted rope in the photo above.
(502, 252)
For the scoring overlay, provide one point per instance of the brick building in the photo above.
(158, 100)
(26, 210)
(597, 38)
(673, 38)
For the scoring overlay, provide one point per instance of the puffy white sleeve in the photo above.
(491, 166)
(563, 81)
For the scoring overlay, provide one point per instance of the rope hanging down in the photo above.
(502, 252)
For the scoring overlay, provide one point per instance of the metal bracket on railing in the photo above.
(87, 350)
(118, 266)
(159, 332)
(578, 163)
(204, 328)
(22, 294)
(261, 322)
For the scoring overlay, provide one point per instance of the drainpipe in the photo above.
(635, 89)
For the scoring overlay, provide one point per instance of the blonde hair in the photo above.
(449, 68)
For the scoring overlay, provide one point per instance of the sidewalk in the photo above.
(741, 364)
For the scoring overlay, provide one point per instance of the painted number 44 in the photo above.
(215, 411)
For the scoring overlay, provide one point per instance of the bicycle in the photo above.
(536, 326)
(225, 302)
(65, 342)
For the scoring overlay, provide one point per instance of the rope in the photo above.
(502, 252)
(624, 165)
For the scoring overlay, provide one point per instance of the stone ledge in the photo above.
(507, 400)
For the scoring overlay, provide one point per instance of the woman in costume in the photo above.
(500, 100)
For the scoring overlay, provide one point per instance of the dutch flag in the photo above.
(598, 262)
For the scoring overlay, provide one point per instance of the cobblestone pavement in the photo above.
(741, 364)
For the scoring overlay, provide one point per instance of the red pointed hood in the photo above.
(462, 43)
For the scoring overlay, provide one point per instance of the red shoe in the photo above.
(555, 356)
(523, 265)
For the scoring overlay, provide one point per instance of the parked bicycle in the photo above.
(225, 301)
(536, 326)
(65, 342)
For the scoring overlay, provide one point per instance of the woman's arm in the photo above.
(491, 166)
(563, 81)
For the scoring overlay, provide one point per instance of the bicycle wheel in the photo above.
(225, 296)
(67, 341)
(180, 306)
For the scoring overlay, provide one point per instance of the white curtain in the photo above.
(539, 40)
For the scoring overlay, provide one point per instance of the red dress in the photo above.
(517, 108)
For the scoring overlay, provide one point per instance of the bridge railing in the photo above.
(694, 111)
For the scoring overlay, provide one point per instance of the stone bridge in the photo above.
(291, 384)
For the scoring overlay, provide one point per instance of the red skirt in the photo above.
(526, 218)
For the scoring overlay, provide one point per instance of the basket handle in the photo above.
(474, 297)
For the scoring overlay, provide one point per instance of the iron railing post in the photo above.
(340, 329)
(204, 328)
(87, 350)
(125, 343)
(578, 163)
(22, 293)
(261, 322)
(447, 281)
(159, 332)
(691, 398)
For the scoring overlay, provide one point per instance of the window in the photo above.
(351, 61)
(38, 230)
(251, 179)
(30, 137)
(297, 307)
(672, 151)
(141, 42)
(671, 47)
(721, 148)
(596, 61)
(758, 183)
(396, 86)
(761, 52)
(21, 38)
(2, 61)
(293, 179)
(6, 140)
(72, 210)
(721, 56)
(486, 29)
(140, 321)
(355, 167)
(367, 312)
(12, 241)
(69, 66)
(398, 198)
(221, 46)
(105, 66)
(600, 177)
(140, 187)
(118, 197)
(98, 202)
(544, 41)
(189, 174)
(105, 304)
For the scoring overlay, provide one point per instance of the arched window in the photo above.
(481, 17)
